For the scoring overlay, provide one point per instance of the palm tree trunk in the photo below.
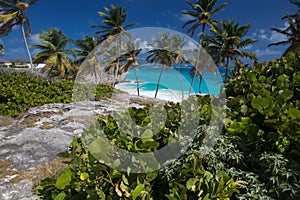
(118, 54)
(200, 75)
(26, 45)
(137, 83)
(180, 82)
(200, 82)
(227, 69)
(157, 86)
(192, 83)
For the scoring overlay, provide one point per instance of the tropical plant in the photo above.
(161, 54)
(83, 48)
(177, 47)
(113, 22)
(53, 46)
(1, 49)
(13, 12)
(201, 14)
(113, 25)
(226, 44)
(292, 32)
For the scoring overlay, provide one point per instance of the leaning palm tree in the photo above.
(161, 54)
(53, 51)
(113, 25)
(201, 14)
(292, 33)
(13, 12)
(83, 48)
(226, 43)
(128, 60)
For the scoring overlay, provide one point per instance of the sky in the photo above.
(75, 17)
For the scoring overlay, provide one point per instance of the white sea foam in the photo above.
(164, 94)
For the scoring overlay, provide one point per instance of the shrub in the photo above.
(184, 178)
(19, 92)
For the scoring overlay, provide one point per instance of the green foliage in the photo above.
(19, 92)
(88, 178)
(264, 106)
(263, 114)
(257, 157)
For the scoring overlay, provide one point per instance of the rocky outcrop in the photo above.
(37, 136)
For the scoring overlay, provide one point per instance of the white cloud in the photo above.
(190, 45)
(277, 37)
(34, 39)
(271, 36)
(143, 44)
(266, 52)
(249, 47)
(185, 18)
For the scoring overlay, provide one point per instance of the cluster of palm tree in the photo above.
(225, 41)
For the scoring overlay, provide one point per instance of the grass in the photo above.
(6, 121)
(51, 169)
(4, 169)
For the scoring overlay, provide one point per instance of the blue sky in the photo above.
(75, 18)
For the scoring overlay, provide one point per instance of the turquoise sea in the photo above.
(170, 87)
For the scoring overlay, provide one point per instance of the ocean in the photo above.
(175, 83)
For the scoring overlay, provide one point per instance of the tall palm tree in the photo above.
(227, 43)
(83, 48)
(201, 14)
(161, 54)
(292, 33)
(53, 46)
(177, 45)
(13, 12)
(113, 22)
(113, 25)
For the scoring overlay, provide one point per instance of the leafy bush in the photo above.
(264, 106)
(184, 178)
(19, 92)
(264, 114)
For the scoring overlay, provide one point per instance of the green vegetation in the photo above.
(257, 155)
(53, 46)
(13, 13)
(19, 92)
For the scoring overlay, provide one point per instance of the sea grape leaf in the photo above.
(64, 180)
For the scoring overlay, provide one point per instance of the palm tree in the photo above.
(53, 46)
(113, 25)
(295, 2)
(127, 60)
(226, 43)
(161, 54)
(83, 48)
(177, 45)
(113, 22)
(1, 49)
(13, 12)
(292, 33)
(201, 13)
